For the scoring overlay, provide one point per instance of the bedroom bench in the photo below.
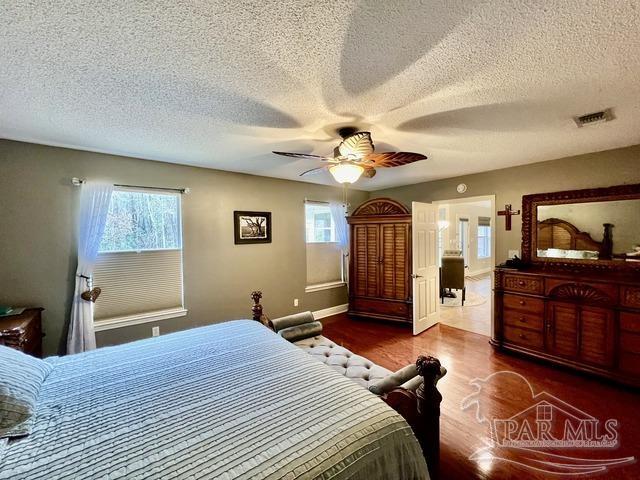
(411, 391)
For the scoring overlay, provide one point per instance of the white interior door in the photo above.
(426, 275)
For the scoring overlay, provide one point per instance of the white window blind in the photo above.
(139, 267)
(137, 282)
(324, 253)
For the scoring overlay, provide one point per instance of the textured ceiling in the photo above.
(474, 85)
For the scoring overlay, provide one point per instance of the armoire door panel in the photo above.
(373, 261)
(562, 336)
(360, 259)
(393, 276)
(401, 264)
(596, 335)
(388, 272)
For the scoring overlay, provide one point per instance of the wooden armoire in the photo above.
(380, 261)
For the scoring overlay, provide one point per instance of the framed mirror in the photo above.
(592, 228)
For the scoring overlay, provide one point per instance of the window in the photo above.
(139, 266)
(319, 222)
(463, 228)
(324, 254)
(484, 237)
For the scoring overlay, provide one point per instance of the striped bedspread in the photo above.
(227, 401)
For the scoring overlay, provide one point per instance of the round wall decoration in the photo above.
(461, 188)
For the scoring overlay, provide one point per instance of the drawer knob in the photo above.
(521, 283)
(523, 320)
(521, 302)
(522, 335)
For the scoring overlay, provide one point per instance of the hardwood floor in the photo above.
(469, 356)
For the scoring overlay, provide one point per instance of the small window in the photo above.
(139, 265)
(325, 262)
(319, 223)
(484, 237)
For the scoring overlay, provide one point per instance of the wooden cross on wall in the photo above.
(507, 213)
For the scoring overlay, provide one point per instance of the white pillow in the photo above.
(20, 379)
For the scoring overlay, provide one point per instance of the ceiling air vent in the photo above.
(593, 118)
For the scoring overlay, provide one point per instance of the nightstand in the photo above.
(23, 332)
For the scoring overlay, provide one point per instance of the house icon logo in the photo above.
(542, 435)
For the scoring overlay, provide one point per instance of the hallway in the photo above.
(473, 318)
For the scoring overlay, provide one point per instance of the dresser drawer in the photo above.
(590, 292)
(630, 322)
(520, 303)
(521, 319)
(524, 337)
(523, 283)
(630, 296)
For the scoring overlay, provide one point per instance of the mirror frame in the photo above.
(530, 205)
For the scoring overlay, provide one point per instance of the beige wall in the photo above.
(602, 169)
(37, 243)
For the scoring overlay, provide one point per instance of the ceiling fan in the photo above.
(355, 156)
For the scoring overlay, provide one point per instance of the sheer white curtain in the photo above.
(94, 206)
(339, 214)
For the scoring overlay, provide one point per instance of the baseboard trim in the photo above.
(327, 312)
(482, 271)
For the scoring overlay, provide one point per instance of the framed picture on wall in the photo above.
(251, 227)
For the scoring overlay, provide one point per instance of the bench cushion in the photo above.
(355, 367)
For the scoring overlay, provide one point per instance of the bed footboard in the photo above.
(421, 409)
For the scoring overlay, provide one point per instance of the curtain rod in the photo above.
(79, 181)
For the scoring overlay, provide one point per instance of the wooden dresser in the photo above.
(23, 332)
(588, 321)
(380, 261)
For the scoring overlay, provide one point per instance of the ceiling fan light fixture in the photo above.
(346, 172)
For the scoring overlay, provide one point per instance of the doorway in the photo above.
(466, 230)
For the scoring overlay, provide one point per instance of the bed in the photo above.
(227, 401)
(556, 238)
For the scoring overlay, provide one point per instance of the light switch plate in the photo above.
(295, 302)
(155, 331)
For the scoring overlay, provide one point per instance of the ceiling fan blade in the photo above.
(312, 171)
(303, 155)
(358, 144)
(393, 159)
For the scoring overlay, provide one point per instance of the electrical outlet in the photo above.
(295, 302)
(513, 253)
(155, 331)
